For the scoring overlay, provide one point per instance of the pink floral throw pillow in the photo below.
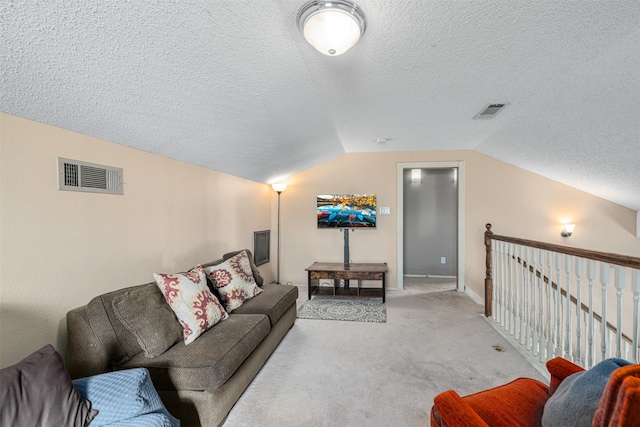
(195, 306)
(234, 281)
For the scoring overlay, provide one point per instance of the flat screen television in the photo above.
(346, 210)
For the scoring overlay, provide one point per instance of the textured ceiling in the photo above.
(232, 86)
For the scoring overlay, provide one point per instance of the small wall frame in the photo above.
(261, 246)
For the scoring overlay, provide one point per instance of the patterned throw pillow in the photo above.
(195, 306)
(234, 281)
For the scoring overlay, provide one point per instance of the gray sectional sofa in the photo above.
(199, 383)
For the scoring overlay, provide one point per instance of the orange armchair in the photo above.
(521, 402)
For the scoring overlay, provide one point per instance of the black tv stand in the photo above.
(346, 253)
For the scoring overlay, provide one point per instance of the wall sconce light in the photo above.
(567, 230)
(416, 176)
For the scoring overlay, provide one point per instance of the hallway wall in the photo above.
(430, 214)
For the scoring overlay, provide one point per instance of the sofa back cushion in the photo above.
(118, 343)
(145, 313)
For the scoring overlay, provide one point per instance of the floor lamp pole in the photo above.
(278, 268)
(279, 188)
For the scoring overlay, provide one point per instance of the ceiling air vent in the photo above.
(74, 175)
(489, 111)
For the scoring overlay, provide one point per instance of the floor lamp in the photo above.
(279, 188)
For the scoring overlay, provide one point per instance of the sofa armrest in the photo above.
(85, 352)
(452, 411)
(560, 369)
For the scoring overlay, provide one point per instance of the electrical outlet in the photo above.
(385, 211)
(443, 260)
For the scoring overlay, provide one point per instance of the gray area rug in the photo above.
(348, 310)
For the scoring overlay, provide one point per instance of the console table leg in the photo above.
(384, 287)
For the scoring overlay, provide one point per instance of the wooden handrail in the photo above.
(610, 258)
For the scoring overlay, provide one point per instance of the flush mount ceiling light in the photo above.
(332, 27)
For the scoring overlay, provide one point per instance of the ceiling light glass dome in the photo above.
(332, 27)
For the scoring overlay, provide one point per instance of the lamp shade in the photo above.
(279, 188)
(332, 27)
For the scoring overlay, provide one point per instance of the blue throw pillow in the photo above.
(123, 395)
(577, 398)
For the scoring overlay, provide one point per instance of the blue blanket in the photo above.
(577, 398)
(125, 399)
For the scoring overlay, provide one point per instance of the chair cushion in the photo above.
(518, 403)
(123, 395)
(577, 398)
(274, 301)
(210, 360)
(37, 391)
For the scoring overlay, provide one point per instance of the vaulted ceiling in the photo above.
(231, 85)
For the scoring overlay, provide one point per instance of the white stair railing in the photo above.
(555, 300)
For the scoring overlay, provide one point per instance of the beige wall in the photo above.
(516, 202)
(59, 249)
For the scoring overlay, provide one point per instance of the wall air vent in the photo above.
(74, 175)
(489, 111)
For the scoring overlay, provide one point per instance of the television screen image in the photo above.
(346, 210)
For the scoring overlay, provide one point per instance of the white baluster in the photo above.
(591, 277)
(604, 282)
(510, 314)
(567, 339)
(497, 280)
(526, 332)
(519, 300)
(535, 307)
(541, 333)
(620, 284)
(635, 288)
(611, 339)
(495, 283)
(549, 292)
(558, 340)
(579, 269)
(503, 287)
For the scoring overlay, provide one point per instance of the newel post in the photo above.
(488, 281)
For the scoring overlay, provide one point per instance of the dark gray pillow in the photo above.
(37, 391)
(144, 311)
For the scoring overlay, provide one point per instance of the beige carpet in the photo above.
(331, 373)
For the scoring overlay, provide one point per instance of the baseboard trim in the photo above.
(430, 276)
(474, 296)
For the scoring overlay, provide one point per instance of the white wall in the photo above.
(59, 249)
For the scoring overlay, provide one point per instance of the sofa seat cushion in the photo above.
(209, 361)
(274, 302)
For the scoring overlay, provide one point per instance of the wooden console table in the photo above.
(339, 271)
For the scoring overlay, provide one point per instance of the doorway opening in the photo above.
(431, 224)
